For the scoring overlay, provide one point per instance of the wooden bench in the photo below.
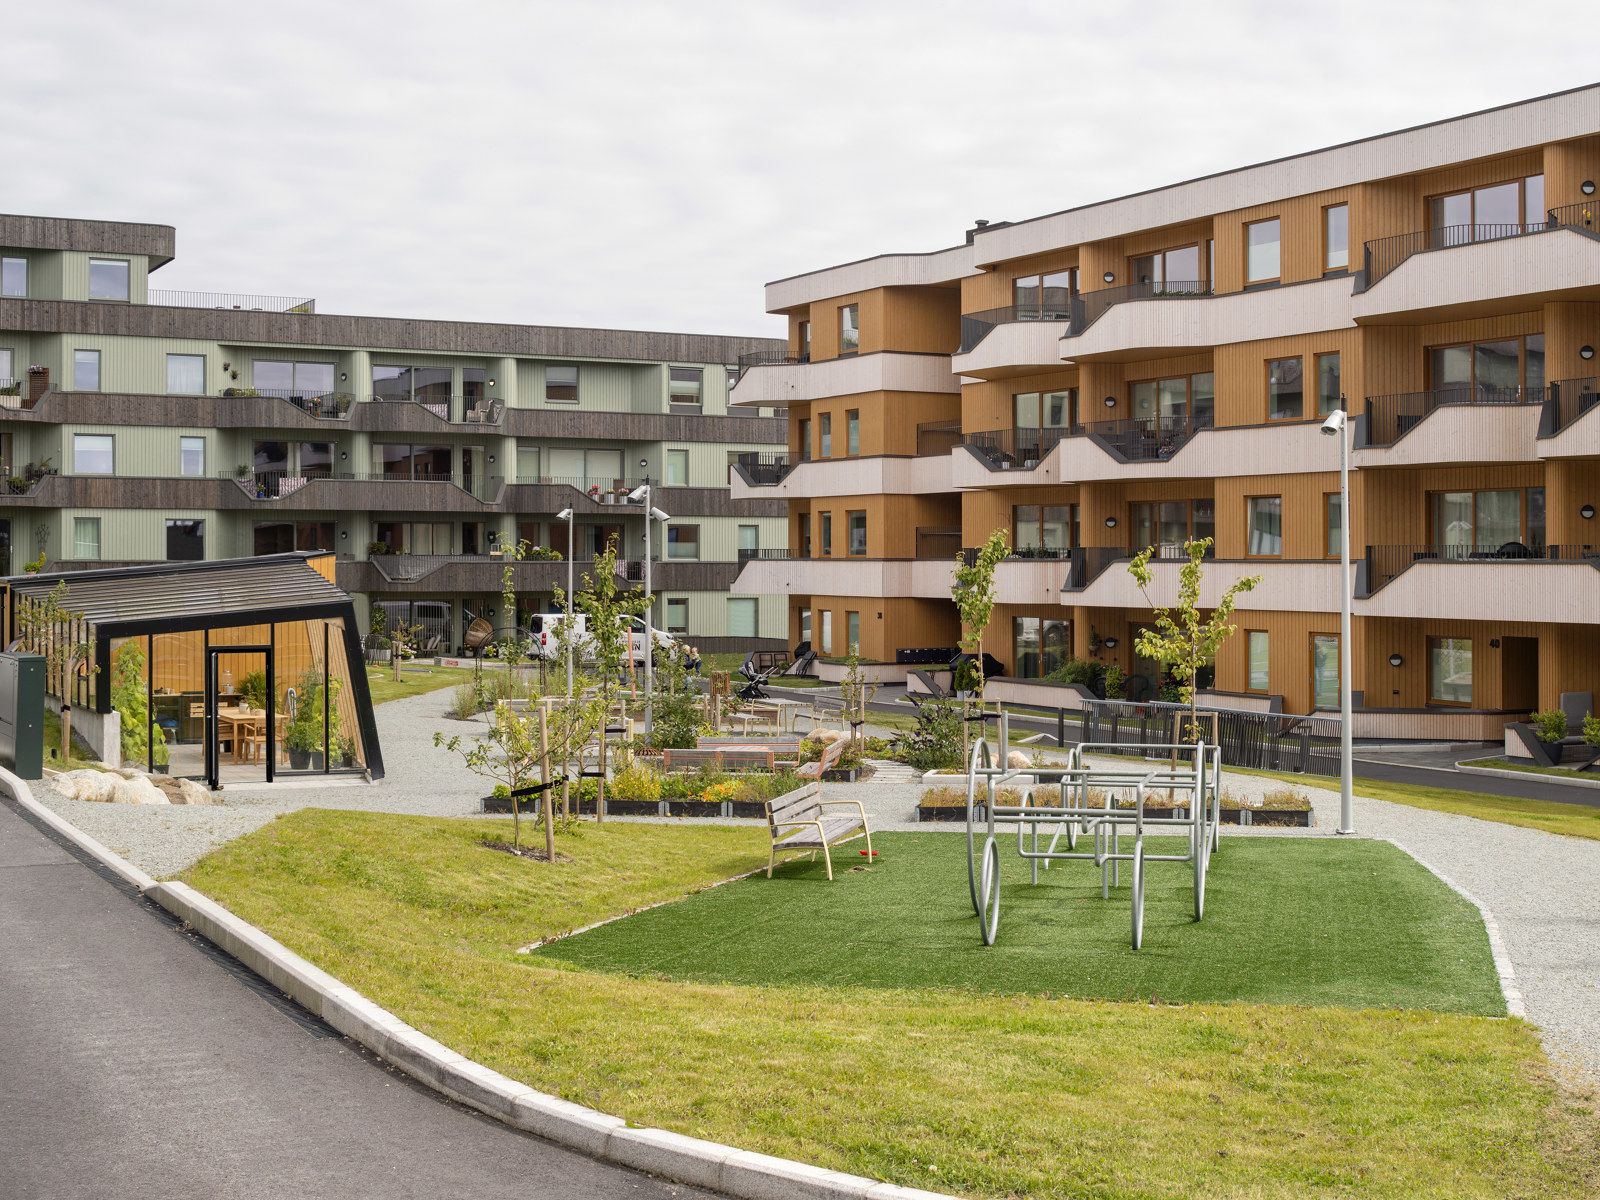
(796, 821)
(724, 758)
(830, 759)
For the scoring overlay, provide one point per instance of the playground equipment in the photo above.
(1191, 775)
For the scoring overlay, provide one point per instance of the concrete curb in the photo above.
(1497, 947)
(1560, 780)
(657, 1151)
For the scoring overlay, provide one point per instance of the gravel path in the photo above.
(1543, 889)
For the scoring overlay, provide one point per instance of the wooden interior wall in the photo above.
(887, 623)
(1304, 512)
(921, 320)
(1241, 373)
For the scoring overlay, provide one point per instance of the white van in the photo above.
(544, 627)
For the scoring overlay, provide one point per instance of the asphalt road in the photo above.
(139, 1060)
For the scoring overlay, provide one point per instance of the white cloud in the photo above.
(643, 165)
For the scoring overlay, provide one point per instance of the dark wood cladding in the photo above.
(160, 242)
(645, 427)
(235, 327)
(683, 501)
(457, 578)
(202, 412)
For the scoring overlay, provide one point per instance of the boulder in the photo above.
(196, 793)
(1018, 760)
(140, 790)
(828, 736)
(85, 784)
(181, 791)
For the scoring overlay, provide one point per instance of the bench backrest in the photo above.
(832, 755)
(798, 805)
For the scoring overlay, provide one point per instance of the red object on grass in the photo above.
(863, 853)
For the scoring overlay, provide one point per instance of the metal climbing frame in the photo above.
(1191, 774)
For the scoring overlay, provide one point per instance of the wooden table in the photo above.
(235, 725)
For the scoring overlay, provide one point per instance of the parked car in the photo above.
(545, 643)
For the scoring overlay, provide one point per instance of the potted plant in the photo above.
(243, 471)
(347, 752)
(377, 548)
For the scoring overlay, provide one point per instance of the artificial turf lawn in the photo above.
(1317, 921)
(992, 1096)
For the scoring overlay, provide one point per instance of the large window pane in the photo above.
(1499, 519)
(13, 277)
(1174, 518)
(388, 383)
(825, 435)
(1533, 362)
(827, 631)
(192, 456)
(1328, 387)
(1203, 399)
(852, 632)
(741, 616)
(1452, 520)
(277, 378)
(1536, 534)
(1262, 251)
(1325, 670)
(1205, 519)
(108, 279)
(683, 541)
(677, 468)
(1056, 527)
(1144, 397)
(1259, 646)
(1336, 237)
(683, 385)
(1056, 302)
(1026, 519)
(1499, 205)
(1026, 405)
(858, 533)
(186, 374)
(561, 384)
(316, 460)
(1495, 365)
(1452, 367)
(1056, 410)
(1266, 524)
(313, 379)
(1025, 646)
(1335, 524)
(1285, 390)
(1533, 200)
(1183, 267)
(86, 370)
(1025, 295)
(430, 462)
(850, 329)
(1172, 400)
(1450, 670)
(1055, 644)
(93, 454)
(86, 537)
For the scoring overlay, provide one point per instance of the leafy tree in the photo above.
(974, 594)
(1181, 639)
(675, 716)
(510, 754)
(609, 612)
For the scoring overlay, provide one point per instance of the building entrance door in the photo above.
(1519, 680)
(241, 742)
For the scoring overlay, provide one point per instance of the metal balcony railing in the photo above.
(275, 485)
(1383, 255)
(1384, 563)
(1015, 449)
(765, 469)
(1146, 439)
(771, 358)
(1079, 311)
(601, 491)
(475, 410)
(1566, 401)
(1389, 418)
(235, 300)
(10, 387)
(328, 406)
(1088, 563)
(938, 437)
(937, 542)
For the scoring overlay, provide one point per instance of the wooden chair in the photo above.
(830, 759)
(796, 821)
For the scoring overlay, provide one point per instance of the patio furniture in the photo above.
(830, 759)
(723, 758)
(796, 821)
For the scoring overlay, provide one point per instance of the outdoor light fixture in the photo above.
(1587, 512)
(491, 458)
(1109, 277)
(1110, 643)
(1586, 352)
(343, 455)
(1395, 660)
(491, 383)
(643, 463)
(1111, 401)
(1337, 425)
(639, 493)
(344, 534)
(1587, 187)
(344, 376)
(1111, 522)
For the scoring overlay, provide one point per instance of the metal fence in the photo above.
(239, 300)
(1265, 741)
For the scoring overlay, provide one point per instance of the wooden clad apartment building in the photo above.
(1157, 367)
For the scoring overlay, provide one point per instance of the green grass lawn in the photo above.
(1515, 764)
(413, 681)
(1305, 921)
(939, 1087)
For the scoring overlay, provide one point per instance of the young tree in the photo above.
(46, 627)
(1181, 639)
(609, 612)
(974, 594)
(508, 754)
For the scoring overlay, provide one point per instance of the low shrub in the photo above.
(637, 782)
(1081, 671)
(1286, 799)
(935, 744)
(1549, 726)
(1591, 729)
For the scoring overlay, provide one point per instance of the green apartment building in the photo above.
(139, 425)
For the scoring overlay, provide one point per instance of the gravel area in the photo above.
(1543, 889)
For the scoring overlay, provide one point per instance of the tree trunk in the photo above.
(544, 778)
(600, 781)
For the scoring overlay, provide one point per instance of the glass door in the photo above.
(240, 715)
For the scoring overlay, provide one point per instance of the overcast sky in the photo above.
(651, 165)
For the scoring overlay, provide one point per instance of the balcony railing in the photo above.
(938, 437)
(1389, 418)
(1088, 563)
(765, 470)
(1146, 439)
(476, 410)
(329, 406)
(1383, 255)
(1079, 311)
(233, 300)
(275, 485)
(601, 491)
(770, 358)
(937, 542)
(1384, 563)
(10, 387)
(1015, 449)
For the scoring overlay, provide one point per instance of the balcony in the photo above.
(1015, 449)
(770, 358)
(939, 542)
(1383, 564)
(231, 300)
(782, 381)
(871, 475)
(333, 489)
(475, 410)
(763, 470)
(1381, 256)
(329, 406)
(1557, 584)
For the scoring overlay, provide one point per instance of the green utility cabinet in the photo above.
(22, 714)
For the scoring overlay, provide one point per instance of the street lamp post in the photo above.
(1337, 425)
(641, 495)
(567, 515)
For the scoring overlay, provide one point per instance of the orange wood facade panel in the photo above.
(887, 623)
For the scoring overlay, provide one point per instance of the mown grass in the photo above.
(1511, 764)
(413, 681)
(932, 1087)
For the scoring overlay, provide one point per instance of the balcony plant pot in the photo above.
(299, 760)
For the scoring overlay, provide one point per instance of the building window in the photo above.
(742, 616)
(1262, 261)
(849, 329)
(1168, 523)
(1499, 210)
(1046, 297)
(1329, 390)
(1335, 525)
(1495, 370)
(191, 456)
(827, 631)
(8, 381)
(683, 385)
(1045, 410)
(852, 633)
(1465, 523)
(280, 537)
(1171, 272)
(804, 341)
(677, 614)
(858, 533)
(13, 277)
(413, 537)
(86, 537)
(804, 522)
(186, 541)
(86, 370)
(303, 380)
(1450, 670)
(1039, 645)
(805, 625)
(805, 439)
(186, 375)
(749, 542)
(108, 279)
(1285, 390)
(316, 460)
(827, 534)
(683, 541)
(93, 454)
(1266, 525)
(1258, 644)
(1325, 670)
(852, 425)
(561, 385)
(825, 435)
(1037, 528)
(1336, 237)
(677, 468)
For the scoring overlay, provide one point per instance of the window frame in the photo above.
(7, 261)
(1433, 639)
(825, 435)
(852, 626)
(1472, 193)
(76, 541)
(1524, 505)
(699, 382)
(1301, 415)
(1331, 546)
(675, 537)
(1317, 359)
(110, 437)
(855, 327)
(1249, 660)
(1265, 279)
(1329, 269)
(850, 532)
(201, 358)
(825, 533)
(681, 602)
(1249, 525)
(750, 604)
(99, 370)
(127, 269)
(852, 432)
(677, 455)
(1471, 345)
(185, 443)
(561, 384)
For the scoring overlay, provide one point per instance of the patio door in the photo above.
(241, 743)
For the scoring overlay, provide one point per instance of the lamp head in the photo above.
(639, 493)
(659, 515)
(564, 515)
(1334, 425)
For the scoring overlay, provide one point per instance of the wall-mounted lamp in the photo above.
(344, 376)
(344, 535)
(491, 458)
(1395, 660)
(643, 463)
(491, 383)
(343, 455)
(1109, 277)
(1587, 187)
(1111, 522)
(1587, 512)
(1110, 643)
(1586, 352)
(1111, 401)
